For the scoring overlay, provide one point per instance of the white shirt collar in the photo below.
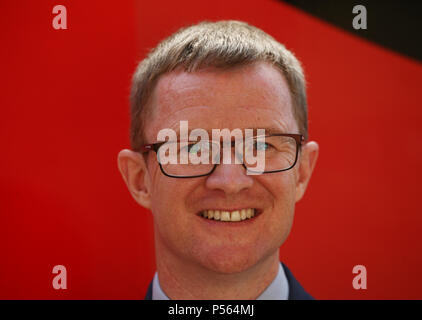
(277, 290)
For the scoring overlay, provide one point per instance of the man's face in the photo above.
(254, 96)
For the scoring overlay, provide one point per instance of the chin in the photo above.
(229, 262)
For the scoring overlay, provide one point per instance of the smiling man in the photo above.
(218, 227)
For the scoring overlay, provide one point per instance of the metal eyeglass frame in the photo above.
(299, 138)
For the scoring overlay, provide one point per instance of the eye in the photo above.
(194, 148)
(260, 145)
(198, 147)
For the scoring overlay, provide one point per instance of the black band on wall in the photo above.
(392, 24)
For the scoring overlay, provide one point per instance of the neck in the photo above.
(187, 280)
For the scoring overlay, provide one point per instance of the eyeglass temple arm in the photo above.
(150, 147)
(146, 148)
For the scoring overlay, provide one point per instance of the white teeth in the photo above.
(217, 215)
(233, 216)
(225, 216)
(243, 214)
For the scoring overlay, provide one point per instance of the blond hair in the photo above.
(222, 44)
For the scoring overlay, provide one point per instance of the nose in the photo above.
(229, 178)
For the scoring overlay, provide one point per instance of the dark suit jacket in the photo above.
(296, 291)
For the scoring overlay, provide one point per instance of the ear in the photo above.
(133, 168)
(307, 161)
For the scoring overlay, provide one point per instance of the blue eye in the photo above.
(198, 147)
(261, 146)
(194, 148)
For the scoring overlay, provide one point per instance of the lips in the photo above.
(229, 215)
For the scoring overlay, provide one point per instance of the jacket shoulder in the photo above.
(148, 295)
(296, 291)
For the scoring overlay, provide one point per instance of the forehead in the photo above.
(252, 96)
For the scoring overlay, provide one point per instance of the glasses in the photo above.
(258, 155)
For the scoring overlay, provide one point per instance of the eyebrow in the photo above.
(268, 130)
(274, 130)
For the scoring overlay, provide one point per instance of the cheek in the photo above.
(282, 188)
(285, 198)
(171, 218)
(166, 198)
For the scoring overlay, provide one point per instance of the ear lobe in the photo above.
(133, 168)
(308, 158)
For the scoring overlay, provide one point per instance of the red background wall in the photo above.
(64, 117)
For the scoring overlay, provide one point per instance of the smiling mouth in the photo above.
(230, 216)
